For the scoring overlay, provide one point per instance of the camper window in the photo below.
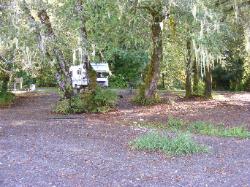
(102, 75)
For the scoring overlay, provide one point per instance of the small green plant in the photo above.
(6, 99)
(182, 144)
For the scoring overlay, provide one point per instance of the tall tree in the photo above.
(159, 12)
(63, 76)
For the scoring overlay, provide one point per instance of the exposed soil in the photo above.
(38, 148)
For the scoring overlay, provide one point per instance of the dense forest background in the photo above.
(190, 44)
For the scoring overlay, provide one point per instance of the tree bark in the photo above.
(5, 78)
(83, 43)
(63, 77)
(208, 81)
(188, 86)
(152, 76)
(195, 78)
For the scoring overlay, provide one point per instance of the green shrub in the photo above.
(117, 81)
(62, 107)
(6, 99)
(182, 144)
(140, 98)
(100, 100)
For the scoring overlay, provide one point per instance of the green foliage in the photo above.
(247, 84)
(27, 78)
(200, 88)
(199, 127)
(140, 99)
(97, 101)
(100, 100)
(218, 130)
(46, 76)
(182, 144)
(207, 128)
(6, 99)
(229, 76)
(175, 123)
(117, 81)
(62, 107)
(128, 65)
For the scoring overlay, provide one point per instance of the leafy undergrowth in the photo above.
(99, 101)
(204, 128)
(180, 145)
(6, 99)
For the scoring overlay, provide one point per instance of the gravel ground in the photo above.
(38, 148)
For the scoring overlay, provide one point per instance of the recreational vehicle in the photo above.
(79, 75)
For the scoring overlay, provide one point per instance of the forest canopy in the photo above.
(195, 45)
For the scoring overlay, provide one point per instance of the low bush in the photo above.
(6, 99)
(182, 144)
(140, 98)
(98, 101)
(62, 107)
(144, 101)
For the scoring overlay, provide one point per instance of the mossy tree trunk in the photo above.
(63, 75)
(83, 43)
(208, 82)
(195, 78)
(5, 75)
(153, 73)
(5, 81)
(188, 85)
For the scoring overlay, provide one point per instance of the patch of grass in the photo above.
(175, 123)
(200, 127)
(6, 99)
(180, 145)
(205, 128)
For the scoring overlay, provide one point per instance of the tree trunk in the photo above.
(208, 82)
(83, 43)
(152, 76)
(195, 78)
(163, 80)
(5, 79)
(63, 77)
(189, 70)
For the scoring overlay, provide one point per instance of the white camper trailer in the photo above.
(79, 76)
